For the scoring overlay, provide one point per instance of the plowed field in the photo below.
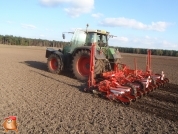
(47, 103)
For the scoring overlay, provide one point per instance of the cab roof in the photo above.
(96, 31)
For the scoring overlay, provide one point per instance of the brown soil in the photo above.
(48, 103)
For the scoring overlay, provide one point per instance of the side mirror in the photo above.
(63, 36)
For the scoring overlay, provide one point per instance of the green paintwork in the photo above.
(111, 52)
(66, 48)
(82, 38)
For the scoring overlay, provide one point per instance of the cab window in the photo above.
(91, 38)
(78, 38)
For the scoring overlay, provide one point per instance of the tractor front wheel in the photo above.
(54, 64)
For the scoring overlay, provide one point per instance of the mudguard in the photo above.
(50, 51)
(98, 54)
(113, 53)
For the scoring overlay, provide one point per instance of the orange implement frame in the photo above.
(148, 61)
(124, 85)
(91, 81)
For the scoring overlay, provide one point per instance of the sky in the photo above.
(150, 24)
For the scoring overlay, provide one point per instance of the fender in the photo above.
(50, 51)
(98, 54)
(81, 48)
(113, 53)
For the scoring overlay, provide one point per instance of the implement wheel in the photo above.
(54, 64)
(81, 65)
(133, 89)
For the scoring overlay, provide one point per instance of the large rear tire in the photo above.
(81, 65)
(99, 67)
(54, 64)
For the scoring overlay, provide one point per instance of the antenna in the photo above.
(87, 28)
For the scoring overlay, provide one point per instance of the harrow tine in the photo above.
(151, 88)
(167, 80)
(126, 100)
(134, 99)
(154, 87)
(159, 84)
(140, 94)
(148, 93)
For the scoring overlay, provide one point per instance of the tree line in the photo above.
(159, 52)
(13, 40)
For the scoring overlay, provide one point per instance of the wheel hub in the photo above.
(84, 66)
(53, 64)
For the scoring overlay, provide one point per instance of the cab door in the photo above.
(77, 40)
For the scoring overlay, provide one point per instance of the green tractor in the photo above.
(75, 56)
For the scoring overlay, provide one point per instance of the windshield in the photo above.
(100, 39)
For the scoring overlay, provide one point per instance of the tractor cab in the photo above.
(82, 38)
(97, 36)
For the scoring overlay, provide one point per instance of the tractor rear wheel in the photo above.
(54, 64)
(81, 65)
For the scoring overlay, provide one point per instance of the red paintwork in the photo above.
(91, 81)
(114, 86)
(84, 66)
(53, 64)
